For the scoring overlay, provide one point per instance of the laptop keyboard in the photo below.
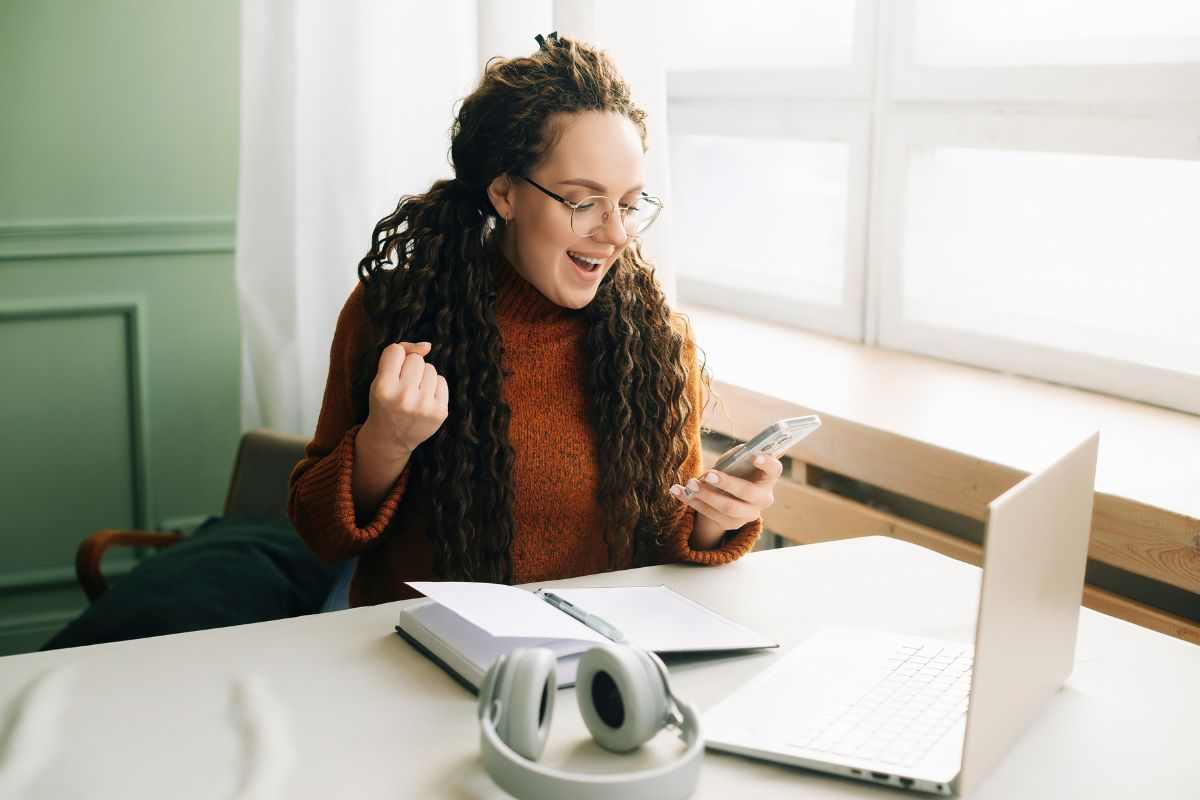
(921, 693)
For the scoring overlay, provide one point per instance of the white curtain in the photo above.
(344, 108)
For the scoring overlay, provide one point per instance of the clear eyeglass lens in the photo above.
(593, 213)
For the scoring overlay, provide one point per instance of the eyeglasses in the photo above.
(591, 214)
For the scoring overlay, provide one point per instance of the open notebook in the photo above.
(465, 626)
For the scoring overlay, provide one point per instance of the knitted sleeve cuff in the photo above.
(323, 504)
(732, 546)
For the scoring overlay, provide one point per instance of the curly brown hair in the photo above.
(431, 275)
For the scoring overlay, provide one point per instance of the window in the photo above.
(771, 210)
(1011, 185)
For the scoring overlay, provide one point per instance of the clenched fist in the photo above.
(409, 401)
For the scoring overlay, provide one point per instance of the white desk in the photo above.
(368, 716)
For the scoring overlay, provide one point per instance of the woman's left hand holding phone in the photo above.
(725, 503)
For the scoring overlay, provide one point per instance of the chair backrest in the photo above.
(258, 488)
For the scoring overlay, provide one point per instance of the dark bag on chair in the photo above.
(228, 572)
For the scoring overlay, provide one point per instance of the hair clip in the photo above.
(541, 40)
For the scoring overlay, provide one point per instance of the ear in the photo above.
(502, 191)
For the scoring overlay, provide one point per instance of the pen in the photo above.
(591, 620)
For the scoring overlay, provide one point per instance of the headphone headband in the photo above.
(516, 702)
(530, 780)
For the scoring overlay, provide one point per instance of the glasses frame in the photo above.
(654, 201)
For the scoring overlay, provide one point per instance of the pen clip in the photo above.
(593, 621)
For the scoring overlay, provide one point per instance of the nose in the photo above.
(613, 230)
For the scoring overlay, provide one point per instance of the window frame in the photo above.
(814, 83)
(1104, 84)
(1144, 110)
(846, 123)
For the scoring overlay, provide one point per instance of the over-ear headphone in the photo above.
(625, 698)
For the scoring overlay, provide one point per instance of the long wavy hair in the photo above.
(431, 275)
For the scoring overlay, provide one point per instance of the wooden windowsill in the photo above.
(1147, 454)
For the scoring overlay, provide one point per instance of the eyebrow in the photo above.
(584, 182)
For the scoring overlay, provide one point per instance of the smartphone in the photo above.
(775, 439)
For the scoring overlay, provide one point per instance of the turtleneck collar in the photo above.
(518, 300)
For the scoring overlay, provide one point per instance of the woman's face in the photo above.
(597, 153)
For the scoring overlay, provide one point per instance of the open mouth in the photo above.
(586, 263)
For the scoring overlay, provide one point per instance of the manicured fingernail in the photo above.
(711, 477)
(694, 485)
(760, 460)
(676, 490)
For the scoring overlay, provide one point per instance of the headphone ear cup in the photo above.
(621, 696)
(487, 688)
(522, 689)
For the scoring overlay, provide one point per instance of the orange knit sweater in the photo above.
(557, 522)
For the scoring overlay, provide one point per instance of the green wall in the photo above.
(119, 346)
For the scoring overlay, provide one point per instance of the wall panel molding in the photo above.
(58, 577)
(38, 620)
(132, 309)
(67, 238)
(18, 632)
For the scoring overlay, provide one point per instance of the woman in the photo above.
(509, 397)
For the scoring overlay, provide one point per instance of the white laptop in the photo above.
(925, 714)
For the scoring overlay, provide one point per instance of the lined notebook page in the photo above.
(660, 619)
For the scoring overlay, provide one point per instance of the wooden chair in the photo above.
(258, 492)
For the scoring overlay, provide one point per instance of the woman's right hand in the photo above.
(409, 401)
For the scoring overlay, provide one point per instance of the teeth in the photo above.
(595, 262)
